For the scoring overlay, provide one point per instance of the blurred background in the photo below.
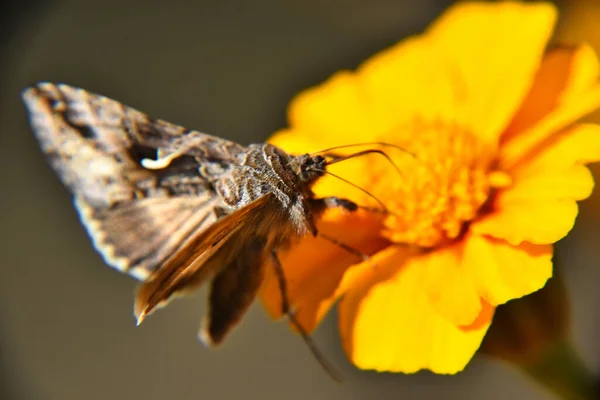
(227, 68)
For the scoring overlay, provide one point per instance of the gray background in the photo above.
(228, 68)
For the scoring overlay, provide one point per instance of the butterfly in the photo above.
(176, 208)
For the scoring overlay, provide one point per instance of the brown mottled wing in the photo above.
(233, 289)
(141, 186)
(201, 257)
(136, 237)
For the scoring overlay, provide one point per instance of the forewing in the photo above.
(141, 186)
(138, 236)
(200, 258)
(98, 147)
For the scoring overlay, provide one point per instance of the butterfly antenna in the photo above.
(365, 191)
(337, 158)
(285, 308)
(365, 152)
(346, 146)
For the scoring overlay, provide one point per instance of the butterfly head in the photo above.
(309, 168)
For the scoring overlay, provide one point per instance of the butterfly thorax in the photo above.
(266, 170)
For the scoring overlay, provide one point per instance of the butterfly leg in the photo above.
(335, 202)
(348, 205)
(286, 310)
(349, 249)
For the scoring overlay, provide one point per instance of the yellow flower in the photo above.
(490, 115)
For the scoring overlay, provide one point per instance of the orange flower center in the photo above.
(440, 190)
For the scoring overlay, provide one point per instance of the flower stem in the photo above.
(561, 370)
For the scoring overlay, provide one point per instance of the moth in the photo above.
(174, 207)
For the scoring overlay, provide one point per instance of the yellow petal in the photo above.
(404, 85)
(540, 206)
(332, 113)
(574, 183)
(494, 51)
(579, 144)
(449, 285)
(564, 73)
(565, 90)
(463, 69)
(520, 220)
(295, 142)
(388, 324)
(504, 272)
(315, 268)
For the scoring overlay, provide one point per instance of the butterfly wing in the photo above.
(144, 191)
(202, 257)
(136, 237)
(142, 186)
(233, 290)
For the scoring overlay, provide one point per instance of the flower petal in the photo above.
(315, 267)
(579, 144)
(406, 84)
(540, 206)
(504, 272)
(388, 324)
(449, 285)
(565, 89)
(536, 222)
(332, 113)
(494, 51)
(564, 72)
(435, 76)
(295, 142)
